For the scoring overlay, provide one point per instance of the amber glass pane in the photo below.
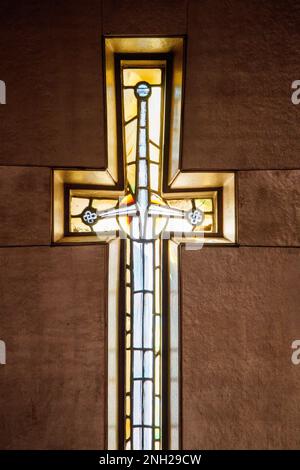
(131, 76)
(130, 141)
(78, 205)
(76, 225)
(130, 104)
(154, 115)
(104, 204)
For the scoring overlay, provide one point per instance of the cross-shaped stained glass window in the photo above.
(145, 207)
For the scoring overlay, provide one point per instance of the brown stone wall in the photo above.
(240, 315)
(242, 58)
(53, 299)
(52, 389)
(239, 304)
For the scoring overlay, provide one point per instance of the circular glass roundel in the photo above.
(142, 90)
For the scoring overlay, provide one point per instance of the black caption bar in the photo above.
(131, 460)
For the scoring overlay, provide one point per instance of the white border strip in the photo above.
(174, 396)
(113, 345)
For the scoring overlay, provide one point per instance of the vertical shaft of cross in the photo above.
(143, 300)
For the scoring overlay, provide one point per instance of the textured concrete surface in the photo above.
(269, 208)
(145, 17)
(51, 61)
(242, 59)
(25, 204)
(52, 319)
(240, 314)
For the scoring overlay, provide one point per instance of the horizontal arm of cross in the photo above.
(194, 217)
(120, 211)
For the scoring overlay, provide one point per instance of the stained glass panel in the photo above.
(131, 76)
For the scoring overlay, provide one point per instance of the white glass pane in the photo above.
(137, 266)
(148, 402)
(143, 173)
(154, 176)
(135, 228)
(143, 198)
(148, 320)
(147, 439)
(142, 143)
(180, 225)
(137, 402)
(106, 225)
(149, 231)
(154, 153)
(149, 265)
(143, 114)
(148, 365)
(137, 438)
(137, 364)
(137, 320)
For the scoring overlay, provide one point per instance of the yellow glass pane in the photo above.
(127, 433)
(131, 176)
(130, 141)
(127, 380)
(154, 115)
(127, 405)
(157, 375)
(157, 253)
(207, 226)
(182, 204)
(128, 276)
(128, 340)
(76, 225)
(157, 445)
(205, 205)
(154, 153)
(104, 204)
(157, 334)
(128, 323)
(128, 300)
(78, 204)
(131, 76)
(130, 104)
(157, 291)
(154, 176)
(156, 199)
(128, 252)
(157, 411)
